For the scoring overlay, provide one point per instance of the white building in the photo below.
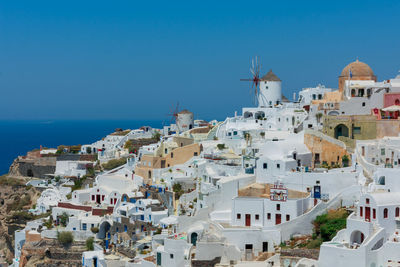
(277, 158)
(270, 90)
(312, 93)
(372, 235)
(75, 168)
(267, 205)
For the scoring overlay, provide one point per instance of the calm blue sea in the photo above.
(18, 137)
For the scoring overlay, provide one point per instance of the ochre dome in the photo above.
(358, 69)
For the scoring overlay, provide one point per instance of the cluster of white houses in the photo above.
(229, 192)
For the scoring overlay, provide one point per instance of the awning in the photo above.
(392, 108)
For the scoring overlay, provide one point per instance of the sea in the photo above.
(18, 137)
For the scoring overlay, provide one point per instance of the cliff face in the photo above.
(33, 167)
(14, 198)
(47, 252)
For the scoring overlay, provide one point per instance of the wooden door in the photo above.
(278, 218)
(367, 214)
(248, 220)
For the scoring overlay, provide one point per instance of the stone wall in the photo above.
(387, 128)
(204, 263)
(330, 152)
(37, 167)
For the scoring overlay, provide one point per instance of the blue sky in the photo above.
(136, 59)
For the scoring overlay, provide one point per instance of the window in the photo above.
(363, 104)
(287, 217)
(269, 216)
(397, 214)
(84, 226)
(257, 217)
(171, 256)
(234, 132)
(172, 155)
(278, 166)
(238, 216)
(367, 200)
(92, 197)
(314, 96)
(278, 206)
(195, 154)
(249, 246)
(361, 211)
(382, 151)
(166, 151)
(374, 214)
(265, 166)
(385, 213)
(357, 130)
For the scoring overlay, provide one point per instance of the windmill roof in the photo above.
(270, 76)
(185, 111)
(285, 99)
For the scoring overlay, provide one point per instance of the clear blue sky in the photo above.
(135, 59)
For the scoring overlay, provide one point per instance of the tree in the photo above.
(318, 116)
(345, 161)
(157, 136)
(63, 219)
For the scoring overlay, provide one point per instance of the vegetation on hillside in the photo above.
(114, 163)
(326, 227)
(7, 181)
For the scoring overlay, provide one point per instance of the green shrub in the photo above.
(89, 243)
(316, 243)
(65, 238)
(327, 225)
(221, 146)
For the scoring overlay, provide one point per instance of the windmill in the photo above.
(255, 70)
(174, 115)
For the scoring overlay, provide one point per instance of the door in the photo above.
(248, 220)
(249, 252)
(367, 214)
(278, 218)
(98, 199)
(265, 246)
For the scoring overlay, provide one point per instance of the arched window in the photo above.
(397, 102)
(385, 213)
(397, 212)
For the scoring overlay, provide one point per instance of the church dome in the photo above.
(358, 69)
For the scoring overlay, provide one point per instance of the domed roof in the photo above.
(358, 68)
